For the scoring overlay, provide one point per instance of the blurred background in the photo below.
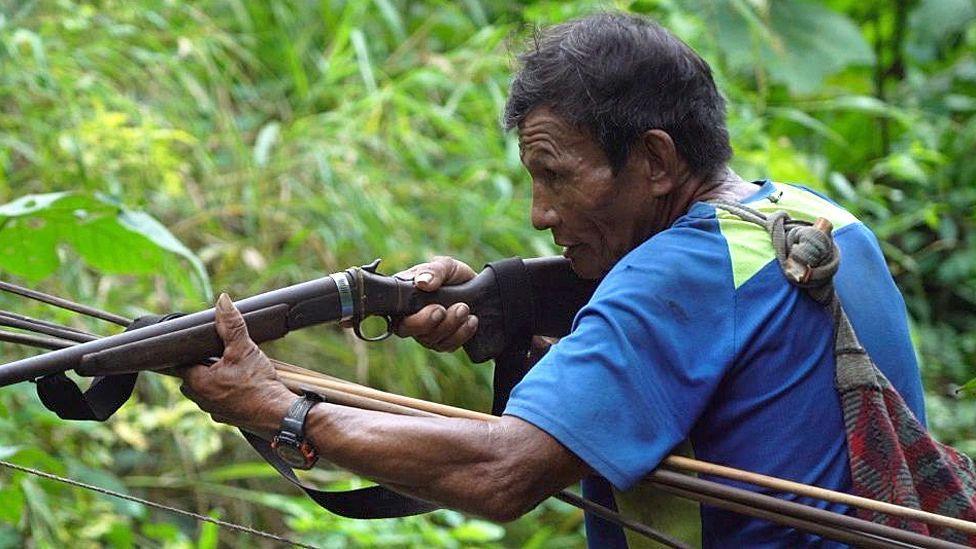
(240, 146)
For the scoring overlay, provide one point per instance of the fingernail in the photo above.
(423, 278)
(224, 303)
(462, 309)
(472, 322)
(438, 315)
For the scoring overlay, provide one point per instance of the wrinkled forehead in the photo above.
(544, 127)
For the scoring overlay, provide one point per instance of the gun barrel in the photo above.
(322, 290)
(512, 298)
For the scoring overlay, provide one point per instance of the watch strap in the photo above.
(290, 443)
(293, 424)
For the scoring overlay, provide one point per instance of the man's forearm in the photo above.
(497, 469)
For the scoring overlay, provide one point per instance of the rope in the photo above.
(806, 251)
(809, 259)
(127, 497)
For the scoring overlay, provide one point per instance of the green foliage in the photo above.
(283, 140)
(110, 238)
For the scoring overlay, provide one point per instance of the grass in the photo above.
(285, 140)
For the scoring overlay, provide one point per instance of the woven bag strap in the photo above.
(809, 258)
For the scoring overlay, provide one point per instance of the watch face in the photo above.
(291, 455)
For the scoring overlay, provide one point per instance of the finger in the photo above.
(439, 271)
(460, 271)
(232, 329)
(188, 392)
(443, 336)
(461, 336)
(422, 322)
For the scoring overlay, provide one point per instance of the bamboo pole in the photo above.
(668, 480)
(675, 462)
(350, 394)
(334, 395)
(64, 303)
(312, 378)
(839, 527)
(31, 340)
(21, 322)
(857, 539)
(782, 485)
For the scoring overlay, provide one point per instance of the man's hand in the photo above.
(241, 388)
(434, 326)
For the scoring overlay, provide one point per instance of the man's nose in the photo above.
(544, 216)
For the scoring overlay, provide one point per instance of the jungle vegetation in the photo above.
(239, 146)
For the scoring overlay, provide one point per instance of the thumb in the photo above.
(442, 270)
(231, 328)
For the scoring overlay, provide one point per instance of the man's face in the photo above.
(596, 216)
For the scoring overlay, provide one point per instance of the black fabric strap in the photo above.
(514, 288)
(104, 396)
(518, 308)
(374, 502)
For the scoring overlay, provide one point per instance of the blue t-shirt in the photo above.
(696, 334)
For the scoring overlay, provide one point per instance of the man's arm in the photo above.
(497, 469)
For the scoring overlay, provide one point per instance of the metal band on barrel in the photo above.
(345, 294)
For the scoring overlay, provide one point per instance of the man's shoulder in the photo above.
(690, 252)
(710, 246)
(800, 202)
(750, 247)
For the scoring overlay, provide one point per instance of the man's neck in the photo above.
(723, 184)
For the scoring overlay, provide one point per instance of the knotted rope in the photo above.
(825, 523)
(893, 458)
(805, 251)
(809, 258)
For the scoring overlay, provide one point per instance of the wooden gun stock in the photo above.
(512, 298)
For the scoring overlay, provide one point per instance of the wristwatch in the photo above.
(290, 444)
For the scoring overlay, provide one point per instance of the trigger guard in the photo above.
(387, 333)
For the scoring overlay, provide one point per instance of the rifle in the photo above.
(512, 298)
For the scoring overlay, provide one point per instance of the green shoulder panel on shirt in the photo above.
(750, 248)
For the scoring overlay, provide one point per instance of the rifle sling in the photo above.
(104, 396)
(374, 502)
(518, 312)
(514, 288)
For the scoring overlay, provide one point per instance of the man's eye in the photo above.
(546, 176)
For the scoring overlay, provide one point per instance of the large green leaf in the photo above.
(794, 42)
(106, 235)
(933, 22)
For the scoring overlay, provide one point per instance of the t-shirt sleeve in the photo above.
(642, 360)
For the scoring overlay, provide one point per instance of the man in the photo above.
(694, 333)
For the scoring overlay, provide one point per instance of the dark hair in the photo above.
(617, 76)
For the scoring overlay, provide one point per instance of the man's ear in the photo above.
(660, 160)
